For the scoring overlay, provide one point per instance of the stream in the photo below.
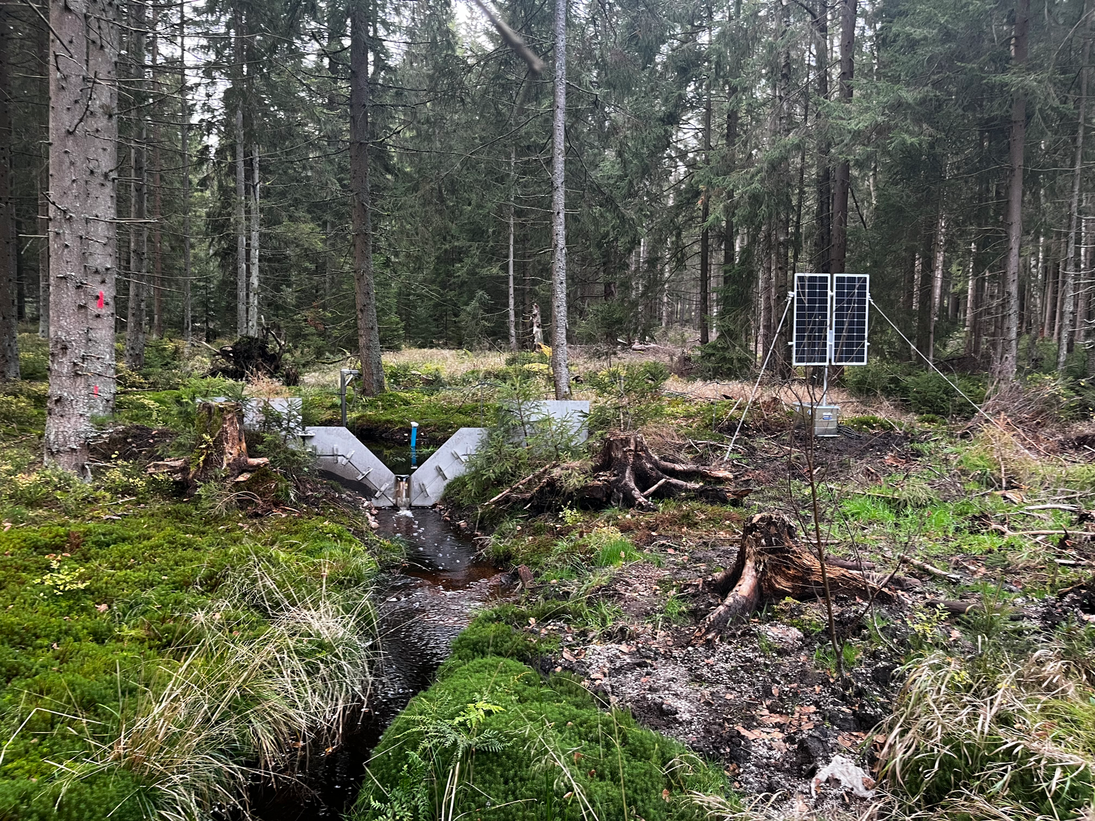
(421, 607)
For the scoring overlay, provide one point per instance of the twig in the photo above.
(934, 571)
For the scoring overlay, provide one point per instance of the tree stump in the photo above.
(221, 453)
(625, 474)
(636, 476)
(772, 565)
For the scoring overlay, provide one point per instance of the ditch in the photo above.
(421, 607)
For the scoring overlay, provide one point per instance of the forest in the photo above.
(230, 231)
(710, 152)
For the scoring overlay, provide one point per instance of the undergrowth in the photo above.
(1007, 732)
(154, 662)
(492, 739)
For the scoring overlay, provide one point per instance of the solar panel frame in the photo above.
(810, 332)
(851, 297)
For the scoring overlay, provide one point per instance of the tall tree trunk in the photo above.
(842, 178)
(43, 191)
(782, 218)
(1008, 360)
(368, 331)
(138, 249)
(157, 183)
(241, 228)
(705, 233)
(240, 86)
(937, 277)
(823, 222)
(1049, 290)
(9, 316)
(559, 365)
(1068, 286)
(1083, 281)
(184, 142)
(705, 202)
(973, 304)
(511, 317)
(83, 134)
(253, 279)
(138, 196)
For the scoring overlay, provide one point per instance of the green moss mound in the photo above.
(492, 739)
(150, 661)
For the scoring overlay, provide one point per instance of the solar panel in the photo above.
(810, 345)
(850, 295)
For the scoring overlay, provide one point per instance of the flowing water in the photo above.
(421, 607)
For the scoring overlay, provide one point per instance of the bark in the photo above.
(780, 227)
(937, 279)
(241, 228)
(9, 315)
(1007, 362)
(974, 297)
(559, 366)
(1068, 285)
(368, 331)
(734, 313)
(843, 175)
(253, 278)
(43, 195)
(83, 241)
(823, 222)
(221, 454)
(705, 210)
(138, 194)
(157, 184)
(138, 255)
(184, 141)
(537, 327)
(511, 317)
(772, 565)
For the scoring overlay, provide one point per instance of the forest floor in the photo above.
(985, 512)
(991, 515)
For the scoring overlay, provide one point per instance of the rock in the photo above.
(783, 637)
(810, 750)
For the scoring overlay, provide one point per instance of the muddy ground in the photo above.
(764, 698)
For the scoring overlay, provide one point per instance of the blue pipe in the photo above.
(414, 434)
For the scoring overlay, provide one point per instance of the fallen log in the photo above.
(772, 565)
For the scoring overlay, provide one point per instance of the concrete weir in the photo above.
(341, 456)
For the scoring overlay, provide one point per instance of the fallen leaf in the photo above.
(102, 608)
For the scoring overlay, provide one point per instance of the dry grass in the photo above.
(789, 394)
(999, 737)
(240, 707)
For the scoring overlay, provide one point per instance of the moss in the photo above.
(439, 415)
(500, 742)
(93, 614)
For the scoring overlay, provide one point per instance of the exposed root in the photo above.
(773, 565)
